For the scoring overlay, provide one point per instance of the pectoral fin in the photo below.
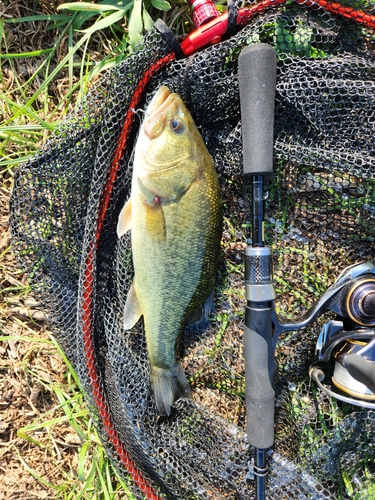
(155, 221)
(125, 219)
(132, 311)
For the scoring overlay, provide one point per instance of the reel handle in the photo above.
(361, 369)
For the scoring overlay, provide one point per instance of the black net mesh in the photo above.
(320, 218)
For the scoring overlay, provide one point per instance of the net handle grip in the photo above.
(257, 83)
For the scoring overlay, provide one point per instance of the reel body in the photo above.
(348, 340)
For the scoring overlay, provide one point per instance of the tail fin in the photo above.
(168, 386)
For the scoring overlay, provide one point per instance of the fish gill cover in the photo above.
(320, 218)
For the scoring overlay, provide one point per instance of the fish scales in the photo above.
(177, 270)
(176, 219)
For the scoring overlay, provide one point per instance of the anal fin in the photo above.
(199, 319)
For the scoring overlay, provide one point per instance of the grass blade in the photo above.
(86, 6)
(35, 53)
(36, 475)
(107, 21)
(135, 23)
(40, 17)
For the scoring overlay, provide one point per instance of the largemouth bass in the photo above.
(175, 216)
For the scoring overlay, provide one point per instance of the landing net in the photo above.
(320, 218)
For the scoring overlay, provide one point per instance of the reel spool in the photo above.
(349, 340)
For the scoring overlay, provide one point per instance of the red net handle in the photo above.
(213, 31)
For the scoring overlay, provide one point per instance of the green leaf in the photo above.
(40, 17)
(136, 23)
(1, 32)
(35, 53)
(82, 459)
(80, 18)
(27, 128)
(161, 5)
(28, 111)
(118, 3)
(147, 20)
(71, 58)
(35, 474)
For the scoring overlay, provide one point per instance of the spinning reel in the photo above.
(348, 340)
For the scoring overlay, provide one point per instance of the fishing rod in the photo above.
(257, 82)
(348, 340)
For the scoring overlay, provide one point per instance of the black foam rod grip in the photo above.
(260, 371)
(257, 80)
(361, 369)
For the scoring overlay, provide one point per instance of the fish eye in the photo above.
(177, 125)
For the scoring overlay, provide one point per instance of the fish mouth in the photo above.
(154, 122)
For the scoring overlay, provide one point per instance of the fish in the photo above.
(174, 213)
